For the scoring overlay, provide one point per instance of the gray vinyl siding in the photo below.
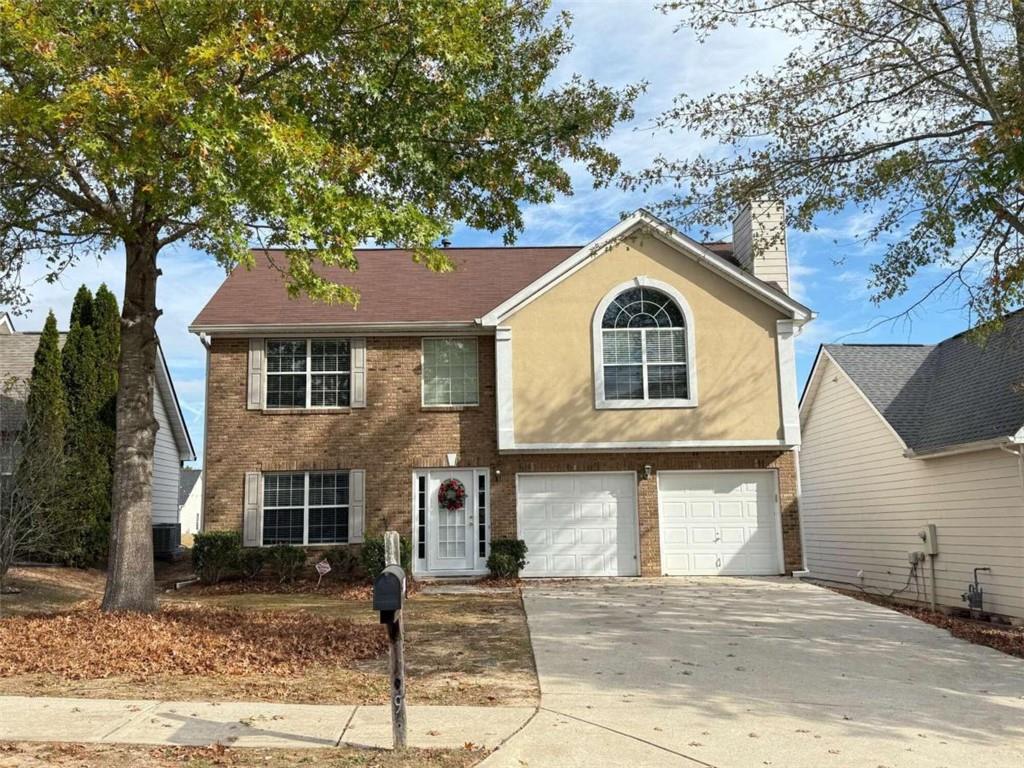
(166, 466)
(863, 503)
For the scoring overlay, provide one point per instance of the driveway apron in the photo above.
(747, 673)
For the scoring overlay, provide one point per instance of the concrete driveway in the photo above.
(734, 673)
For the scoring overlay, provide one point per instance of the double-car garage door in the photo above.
(585, 523)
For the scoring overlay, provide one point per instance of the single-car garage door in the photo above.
(579, 523)
(718, 523)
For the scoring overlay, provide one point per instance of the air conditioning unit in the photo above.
(167, 541)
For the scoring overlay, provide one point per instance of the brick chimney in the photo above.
(759, 241)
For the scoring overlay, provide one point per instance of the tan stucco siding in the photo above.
(736, 357)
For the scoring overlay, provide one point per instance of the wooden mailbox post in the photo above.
(389, 598)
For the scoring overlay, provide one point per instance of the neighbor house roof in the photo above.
(962, 391)
(186, 482)
(17, 358)
(487, 283)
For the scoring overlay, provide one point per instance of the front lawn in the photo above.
(26, 755)
(296, 646)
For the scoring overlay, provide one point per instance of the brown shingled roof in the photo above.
(393, 288)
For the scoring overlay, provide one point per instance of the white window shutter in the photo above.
(356, 505)
(358, 395)
(255, 378)
(252, 511)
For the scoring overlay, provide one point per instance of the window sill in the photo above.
(305, 411)
(606, 405)
(454, 408)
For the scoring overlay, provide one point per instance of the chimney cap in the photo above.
(446, 243)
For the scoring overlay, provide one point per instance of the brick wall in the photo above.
(395, 435)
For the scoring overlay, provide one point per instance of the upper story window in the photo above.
(451, 372)
(643, 348)
(309, 373)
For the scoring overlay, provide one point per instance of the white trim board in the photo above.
(651, 445)
(642, 219)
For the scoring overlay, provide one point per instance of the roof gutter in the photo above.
(977, 445)
(314, 329)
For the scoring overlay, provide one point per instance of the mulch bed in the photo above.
(341, 590)
(84, 643)
(1008, 639)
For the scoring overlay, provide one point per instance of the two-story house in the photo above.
(626, 407)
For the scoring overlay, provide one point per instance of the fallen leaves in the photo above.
(190, 640)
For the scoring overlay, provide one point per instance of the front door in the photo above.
(450, 520)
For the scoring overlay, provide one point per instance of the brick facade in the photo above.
(394, 435)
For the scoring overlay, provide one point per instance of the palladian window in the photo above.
(644, 350)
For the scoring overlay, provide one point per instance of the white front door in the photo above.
(451, 521)
(718, 523)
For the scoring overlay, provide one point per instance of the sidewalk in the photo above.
(249, 724)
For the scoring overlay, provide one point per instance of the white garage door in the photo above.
(578, 524)
(718, 523)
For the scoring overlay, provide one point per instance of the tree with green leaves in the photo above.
(86, 498)
(37, 456)
(81, 307)
(911, 110)
(307, 126)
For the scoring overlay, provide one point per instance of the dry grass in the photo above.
(460, 649)
(26, 755)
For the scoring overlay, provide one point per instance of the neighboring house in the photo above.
(626, 407)
(173, 444)
(900, 436)
(190, 504)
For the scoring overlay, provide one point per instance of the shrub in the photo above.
(371, 556)
(344, 563)
(286, 561)
(507, 558)
(215, 554)
(250, 562)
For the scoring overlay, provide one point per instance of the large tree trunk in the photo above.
(130, 579)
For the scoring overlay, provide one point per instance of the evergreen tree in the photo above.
(106, 326)
(81, 309)
(87, 475)
(43, 434)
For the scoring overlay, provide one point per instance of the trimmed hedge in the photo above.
(215, 554)
(371, 556)
(507, 558)
(286, 561)
(251, 561)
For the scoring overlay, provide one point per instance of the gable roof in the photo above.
(186, 482)
(711, 255)
(486, 284)
(17, 358)
(939, 397)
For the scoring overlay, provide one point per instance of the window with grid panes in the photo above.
(643, 336)
(308, 373)
(305, 508)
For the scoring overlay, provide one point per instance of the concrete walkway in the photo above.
(251, 724)
(748, 673)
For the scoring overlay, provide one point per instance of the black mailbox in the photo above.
(389, 592)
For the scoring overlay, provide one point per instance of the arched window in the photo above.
(644, 341)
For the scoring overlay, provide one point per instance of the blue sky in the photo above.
(830, 270)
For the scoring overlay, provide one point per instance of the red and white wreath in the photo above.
(452, 494)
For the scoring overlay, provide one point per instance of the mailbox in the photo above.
(389, 592)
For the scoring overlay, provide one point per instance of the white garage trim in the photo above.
(773, 477)
(635, 512)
